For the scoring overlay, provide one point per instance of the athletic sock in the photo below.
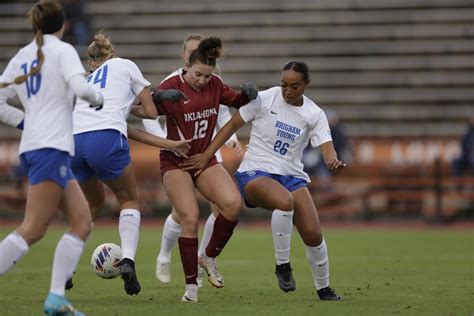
(129, 229)
(282, 226)
(206, 235)
(319, 263)
(12, 249)
(171, 232)
(223, 229)
(188, 250)
(66, 256)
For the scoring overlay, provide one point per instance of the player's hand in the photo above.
(250, 90)
(180, 147)
(195, 163)
(234, 143)
(336, 165)
(171, 95)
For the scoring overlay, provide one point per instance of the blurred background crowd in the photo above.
(395, 79)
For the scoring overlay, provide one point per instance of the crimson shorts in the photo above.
(168, 161)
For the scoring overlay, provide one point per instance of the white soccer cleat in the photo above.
(200, 276)
(213, 274)
(163, 271)
(191, 294)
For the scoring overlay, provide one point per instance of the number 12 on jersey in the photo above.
(281, 147)
(200, 129)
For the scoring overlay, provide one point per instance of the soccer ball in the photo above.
(105, 260)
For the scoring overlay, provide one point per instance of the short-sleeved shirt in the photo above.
(280, 133)
(196, 117)
(46, 97)
(120, 81)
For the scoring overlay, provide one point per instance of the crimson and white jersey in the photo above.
(280, 133)
(120, 81)
(158, 129)
(196, 117)
(46, 97)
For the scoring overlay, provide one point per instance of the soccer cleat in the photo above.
(191, 294)
(163, 271)
(200, 276)
(213, 275)
(129, 276)
(58, 305)
(328, 294)
(286, 282)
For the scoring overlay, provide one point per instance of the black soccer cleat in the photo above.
(129, 276)
(328, 294)
(285, 277)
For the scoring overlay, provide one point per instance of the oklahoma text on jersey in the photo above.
(195, 116)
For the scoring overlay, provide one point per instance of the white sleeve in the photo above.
(251, 109)
(224, 115)
(154, 127)
(69, 62)
(222, 119)
(9, 114)
(137, 79)
(85, 91)
(320, 133)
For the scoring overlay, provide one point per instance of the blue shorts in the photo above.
(289, 182)
(47, 164)
(103, 154)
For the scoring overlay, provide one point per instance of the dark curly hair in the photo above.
(207, 52)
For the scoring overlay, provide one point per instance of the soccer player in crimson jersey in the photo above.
(195, 118)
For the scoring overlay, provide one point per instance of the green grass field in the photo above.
(379, 272)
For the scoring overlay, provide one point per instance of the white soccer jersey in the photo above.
(120, 81)
(46, 97)
(280, 133)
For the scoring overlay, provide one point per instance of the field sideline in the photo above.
(378, 271)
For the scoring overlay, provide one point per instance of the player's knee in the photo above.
(286, 203)
(35, 234)
(189, 219)
(232, 206)
(82, 228)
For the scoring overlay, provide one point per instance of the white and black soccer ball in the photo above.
(105, 260)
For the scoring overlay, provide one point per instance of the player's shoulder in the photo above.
(310, 105)
(172, 81)
(64, 48)
(311, 109)
(269, 96)
(173, 74)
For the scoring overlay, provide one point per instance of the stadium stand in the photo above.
(395, 71)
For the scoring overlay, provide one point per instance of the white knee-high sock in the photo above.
(129, 229)
(282, 226)
(319, 263)
(66, 256)
(12, 249)
(171, 232)
(206, 235)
